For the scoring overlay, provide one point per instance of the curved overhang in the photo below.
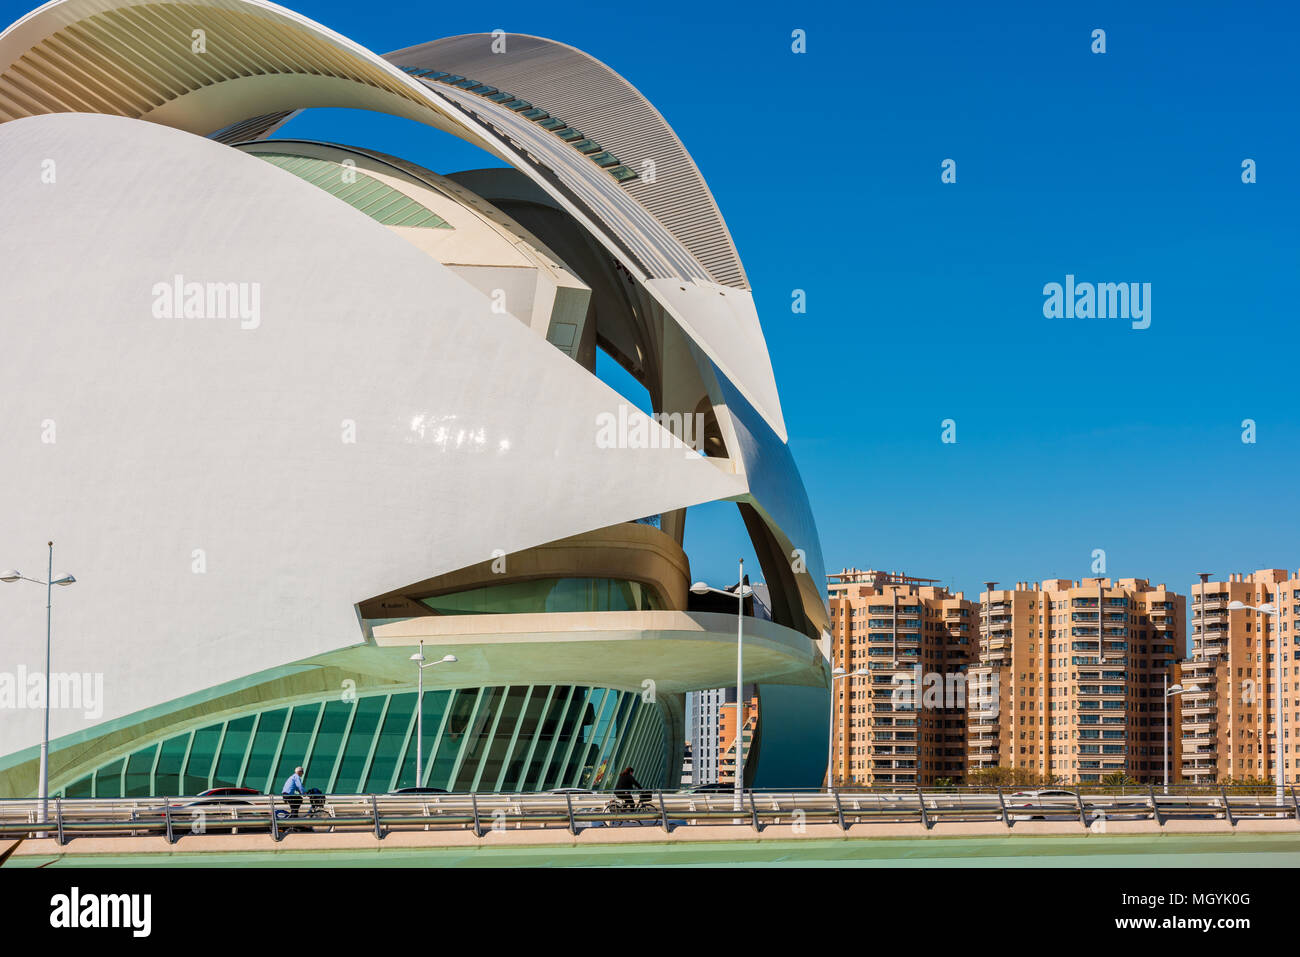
(139, 59)
(669, 652)
(629, 551)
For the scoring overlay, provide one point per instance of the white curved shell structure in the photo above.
(290, 409)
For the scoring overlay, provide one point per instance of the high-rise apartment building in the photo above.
(726, 740)
(1230, 699)
(898, 712)
(703, 713)
(1079, 669)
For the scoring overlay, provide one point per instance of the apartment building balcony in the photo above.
(888, 751)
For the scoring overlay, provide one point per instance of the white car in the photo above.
(1037, 798)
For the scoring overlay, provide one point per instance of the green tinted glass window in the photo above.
(202, 754)
(506, 719)
(293, 753)
(266, 741)
(435, 705)
(392, 741)
(551, 123)
(569, 134)
(586, 146)
(376, 199)
(549, 595)
(329, 742)
(231, 759)
(622, 173)
(357, 750)
(527, 731)
(547, 734)
(108, 779)
(535, 114)
(167, 776)
(501, 97)
(139, 772)
(604, 159)
(81, 788)
(453, 739)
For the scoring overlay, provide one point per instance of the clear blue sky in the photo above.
(925, 299)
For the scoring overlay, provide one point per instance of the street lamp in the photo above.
(1170, 691)
(703, 588)
(420, 665)
(1268, 608)
(49, 583)
(836, 674)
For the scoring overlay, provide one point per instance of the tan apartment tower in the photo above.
(887, 729)
(1080, 669)
(1230, 698)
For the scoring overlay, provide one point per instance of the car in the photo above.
(1036, 798)
(216, 799)
(225, 792)
(419, 791)
(570, 791)
(715, 786)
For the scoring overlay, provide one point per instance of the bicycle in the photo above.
(633, 805)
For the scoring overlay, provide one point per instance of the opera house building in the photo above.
(292, 411)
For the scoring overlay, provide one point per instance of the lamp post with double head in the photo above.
(49, 583)
(742, 591)
(420, 665)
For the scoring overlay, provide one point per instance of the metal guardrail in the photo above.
(482, 813)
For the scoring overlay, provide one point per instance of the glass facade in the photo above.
(517, 738)
(549, 595)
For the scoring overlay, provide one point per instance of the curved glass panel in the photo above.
(376, 199)
(549, 595)
(517, 738)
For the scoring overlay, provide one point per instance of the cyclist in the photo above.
(625, 785)
(293, 791)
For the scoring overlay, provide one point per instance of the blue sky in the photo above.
(925, 299)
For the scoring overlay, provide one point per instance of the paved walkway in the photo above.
(1035, 844)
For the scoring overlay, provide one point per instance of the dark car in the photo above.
(419, 791)
(709, 788)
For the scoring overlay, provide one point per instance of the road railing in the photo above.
(577, 810)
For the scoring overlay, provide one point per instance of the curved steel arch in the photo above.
(587, 94)
(209, 65)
